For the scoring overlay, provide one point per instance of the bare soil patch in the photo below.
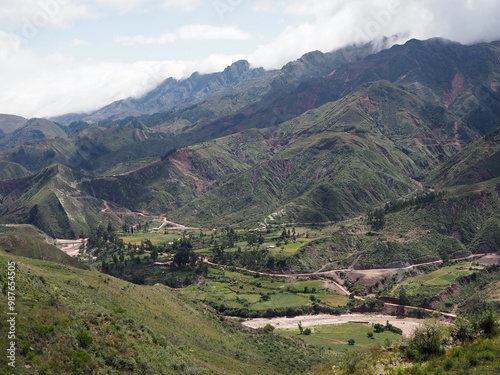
(408, 325)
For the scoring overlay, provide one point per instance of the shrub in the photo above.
(427, 340)
(268, 328)
(463, 331)
(351, 342)
(307, 331)
(487, 323)
(84, 339)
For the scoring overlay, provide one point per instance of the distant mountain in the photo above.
(463, 79)
(93, 149)
(35, 128)
(172, 93)
(346, 155)
(322, 139)
(9, 123)
(236, 80)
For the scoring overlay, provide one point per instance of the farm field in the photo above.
(238, 290)
(439, 279)
(336, 337)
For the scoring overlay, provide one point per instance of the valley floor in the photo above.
(408, 325)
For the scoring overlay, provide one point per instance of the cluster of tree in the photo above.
(144, 228)
(398, 205)
(376, 218)
(255, 258)
(246, 312)
(378, 328)
(132, 262)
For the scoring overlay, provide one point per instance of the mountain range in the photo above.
(321, 140)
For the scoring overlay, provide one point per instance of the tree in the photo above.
(487, 323)
(184, 255)
(428, 339)
(403, 298)
(463, 331)
(268, 328)
(301, 329)
(351, 342)
(370, 335)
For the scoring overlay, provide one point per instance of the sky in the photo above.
(64, 56)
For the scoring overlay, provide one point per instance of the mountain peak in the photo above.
(236, 69)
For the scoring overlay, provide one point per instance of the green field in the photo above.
(335, 337)
(421, 288)
(440, 278)
(154, 237)
(240, 290)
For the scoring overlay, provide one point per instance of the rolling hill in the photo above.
(9, 123)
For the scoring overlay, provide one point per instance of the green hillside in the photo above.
(92, 149)
(458, 221)
(9, 123)
(10, 171)
(72, 321)
(478, 163)
(28, 241)
(335, 161)
(35, 128)
(51, 201)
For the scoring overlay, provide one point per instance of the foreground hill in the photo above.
(28, 241)
(82, 322)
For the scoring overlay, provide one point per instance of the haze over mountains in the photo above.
(322, 139)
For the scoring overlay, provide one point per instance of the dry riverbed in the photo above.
(408, 325)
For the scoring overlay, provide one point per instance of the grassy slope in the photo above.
(35, 128)
(9, 123)
(51, 201)
(28, 241)
(478, 163)
(465, 221)
(134, 329)
(316, 171)
(10, 171)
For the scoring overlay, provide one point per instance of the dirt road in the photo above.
(70, 247)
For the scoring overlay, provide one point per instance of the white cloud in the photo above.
(41, 13)
(189, 32)
(39, 86)
(140, 39)
(78, 43)
(264, 6)
(208, 32)
(339, 23)
(184, 5)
